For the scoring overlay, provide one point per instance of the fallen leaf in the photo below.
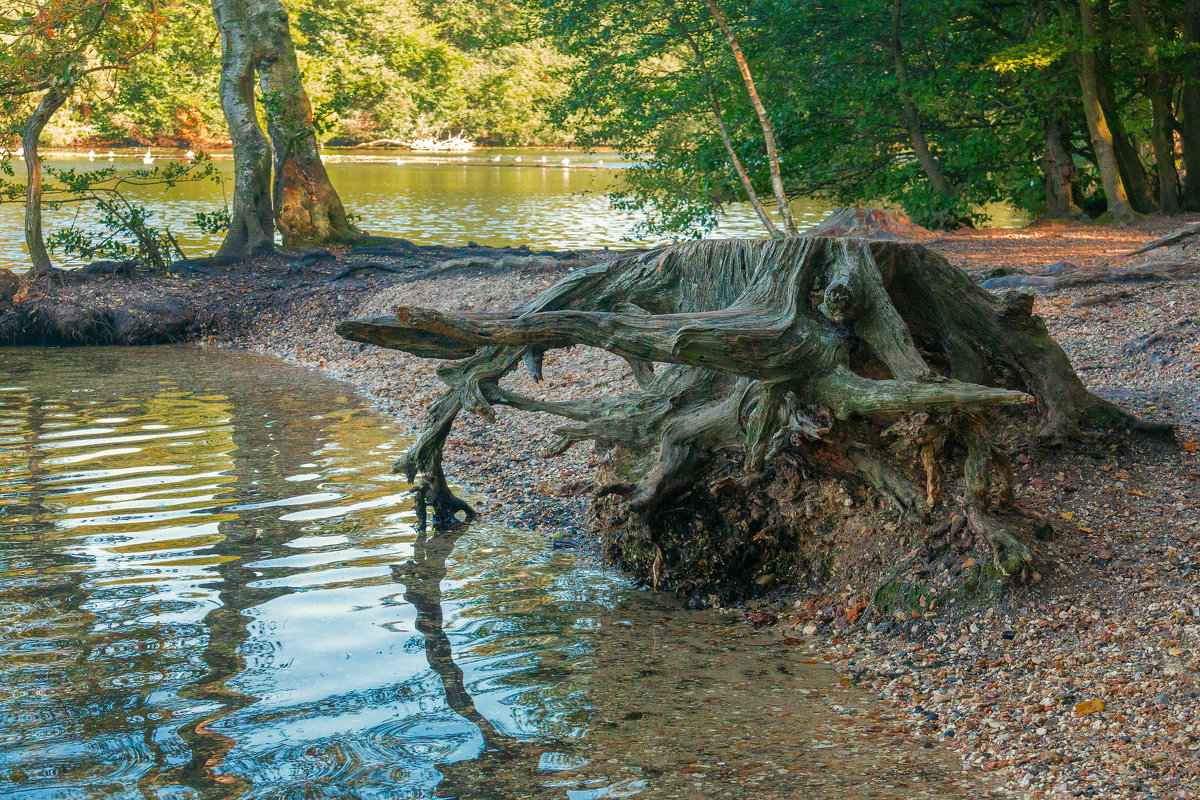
(853, 612)
(1067, 514)
(1089, 707)
(1189, 446)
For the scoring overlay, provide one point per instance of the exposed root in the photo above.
(770, 373)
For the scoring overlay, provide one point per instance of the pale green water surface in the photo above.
(448, 199)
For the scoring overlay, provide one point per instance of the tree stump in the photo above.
(791, 390)
(870, 223)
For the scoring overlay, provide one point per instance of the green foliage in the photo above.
(374, 69)
(128, 232)
(983, 76)
(214, 222)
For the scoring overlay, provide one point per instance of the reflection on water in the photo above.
(211, 586)
(428, 199)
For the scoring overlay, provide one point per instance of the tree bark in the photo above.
(307, 207)
(51, 101)
(1189, 106)
(751, 194)
(1162, 128)
(764, 120)
(1098, 124)
(1129, 163)
(1059, 170)
(910, 116)
(252, 227)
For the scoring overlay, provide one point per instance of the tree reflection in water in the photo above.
(198, 600)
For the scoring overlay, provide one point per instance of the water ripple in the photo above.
(198, 579)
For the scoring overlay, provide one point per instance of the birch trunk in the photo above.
(252, 226)
(764, 119)
(751, 194)
(51, 101)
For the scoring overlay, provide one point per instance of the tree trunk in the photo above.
(1098, 124)
(1059, 170)
(252, 227)
(1189, 106)
(307, 208)
(1162, 126)
(1129, 163)
(752, 195)
(768, 369)
(51, 101)
(910, 116)
(785, 212)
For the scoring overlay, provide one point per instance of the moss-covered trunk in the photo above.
(307, 207)
(50, 102)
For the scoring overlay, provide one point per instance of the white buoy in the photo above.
(91, 155)
(399, 160)
(544, 159)
(600, 164)
(147, 159)
(110, 155)
(517, 159)
(464, 159)
(495, 159)
(190, 155)
(566, 161)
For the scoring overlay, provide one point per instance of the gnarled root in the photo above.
(777, 379)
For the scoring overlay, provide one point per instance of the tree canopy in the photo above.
(1076, 108)
(938, 106)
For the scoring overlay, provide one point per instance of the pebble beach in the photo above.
(1084, 684)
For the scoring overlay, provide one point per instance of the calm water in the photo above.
(429, 199)
(211, 587)
(432, 199)
(197, 595)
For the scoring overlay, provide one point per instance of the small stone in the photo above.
(810, 629)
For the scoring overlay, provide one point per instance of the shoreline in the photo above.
(1118, 620)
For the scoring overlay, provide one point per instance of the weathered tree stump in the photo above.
(870, 223)
(786, 386)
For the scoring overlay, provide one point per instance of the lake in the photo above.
(212, 586)
(430, 199)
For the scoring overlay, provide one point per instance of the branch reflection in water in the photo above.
(196, 584)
